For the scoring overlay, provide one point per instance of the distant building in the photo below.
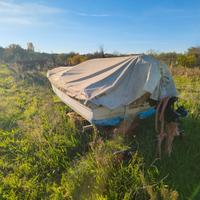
(30, 46)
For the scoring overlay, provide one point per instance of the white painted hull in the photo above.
(98, 113)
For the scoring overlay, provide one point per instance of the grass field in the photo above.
(182, 168)
(44, 156)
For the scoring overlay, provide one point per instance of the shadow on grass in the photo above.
(182, 169)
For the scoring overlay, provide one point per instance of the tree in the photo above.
(186, 60)
(101, 51)
(1, 53)
(13, 53)
(191, 60)
(182, 60)
(195, 51)
(14, 46)
(76, 59)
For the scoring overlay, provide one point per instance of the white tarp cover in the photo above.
(114, 82)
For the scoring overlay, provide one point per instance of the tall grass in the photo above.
(44, 156)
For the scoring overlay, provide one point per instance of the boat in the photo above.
(106, 91)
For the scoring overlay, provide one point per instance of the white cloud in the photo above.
(18, 20)
(91, 14)
(11, 7)
(15, 13)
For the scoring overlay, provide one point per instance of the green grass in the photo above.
(182, 168)
(44, 156)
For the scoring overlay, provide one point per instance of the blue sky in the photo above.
(124, 26)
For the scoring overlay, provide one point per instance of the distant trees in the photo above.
(1, 53)
(101, 51)
(13, 53)
(28, 59)
(195, 51)
(59, 59)
(189, 59)
(168, 58)
(75, 59)
(14, 46)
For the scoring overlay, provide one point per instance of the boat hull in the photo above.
(100, 115)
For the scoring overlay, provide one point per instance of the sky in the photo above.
(123, 26)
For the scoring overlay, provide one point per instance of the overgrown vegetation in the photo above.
(27, 59)
(44, 156)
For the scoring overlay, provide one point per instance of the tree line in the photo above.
(190, 59)
(28, 59)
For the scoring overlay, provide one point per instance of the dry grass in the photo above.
(188, 72)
